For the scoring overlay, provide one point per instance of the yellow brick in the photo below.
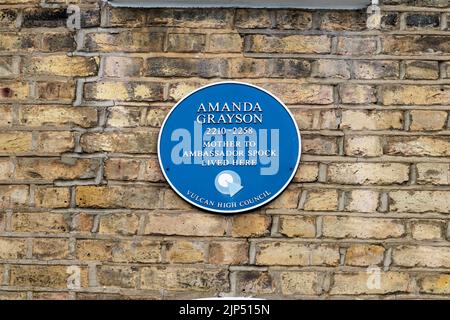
(321, 200)
(428, 120)
(32, 116)
(363, 228)
(250, 225)
(364, 255)
(62, 65)
(301, 227)
(11, 142)
(365, 283)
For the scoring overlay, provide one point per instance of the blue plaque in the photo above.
(229, 147)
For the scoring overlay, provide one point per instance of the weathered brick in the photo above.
(319, 145)
(432, 3)
(13, 91)
(362, 201)
(418, 146)
(119, 223)
(304, 118)
(122, 169)
(185, 67)
(126, 17)
(307, 172)
(365, 283)
(435, 283)
(376, 69)
(20, 1)
(8, 65)
(44, 17)
(415, 44)
(50, 249)
(362, 228)
(228, 252)
(13, 196)
(321, 200)
(190, 18)
(129, 251)
(82, 223)
(51, 296)
(356, 45)
(255, 282)
(122, 117)
(35, 116)
(434, 173)
(89, 18)
(12, 142)
(186, 42)
(275, 68)
(125, 196)
(6, 169)
(8, 18)
(299, 283)
(390, 20)
(12, 295)
(343, 20)
(331, 69)
(289, 44)
(55, 142)
(58, 42)
(417, 69)
(422, 20)
(250, 225)
(56, 90)
(225, 42)
(363, 146)
(178, 90)
(329, 119)
(123, 66)
(357, 94)
(293, 19)
(117, 276)
(427, 230)
(47, 276)
(301, 93)
(187, 224)
(171, 200)
(184, 279)
(124, 41)
(129, 169)
(298, 227)
(288, 199)
(39, 222)
(428, 120)
(61, 65)
(364, 255)
(368, 173)
(124, 91)
(51, 197)
(421, 256)
(139, 141)
(252, 18)
(49, 169)
(371, 120)
(5, 116)
(155, 116)
(290, 253)
(184, 251)
(13, 248)
(419, 201)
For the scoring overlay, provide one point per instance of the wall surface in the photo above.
(86, 214)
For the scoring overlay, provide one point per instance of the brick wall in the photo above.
(85, 212)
